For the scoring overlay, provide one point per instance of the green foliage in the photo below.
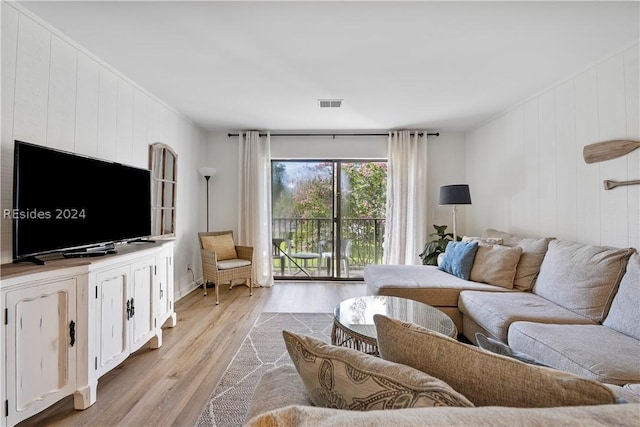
(364, 189)
(435, 247)
(313, 198)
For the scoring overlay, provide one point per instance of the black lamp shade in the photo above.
(455, 195)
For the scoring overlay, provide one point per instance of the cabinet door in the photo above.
(40, 346)
(164, 286)
(141, 320)
(112, 345)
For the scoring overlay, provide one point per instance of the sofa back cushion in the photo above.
(624, 315)
(485, 378)
(533, 251)
(582, 278)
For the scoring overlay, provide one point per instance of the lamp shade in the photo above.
(205, 171)
(455, 195)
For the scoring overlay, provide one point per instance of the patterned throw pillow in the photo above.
(487, 379)
(458, 259)
(343, 378)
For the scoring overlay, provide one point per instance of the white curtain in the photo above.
(254, 206)
(406, 220)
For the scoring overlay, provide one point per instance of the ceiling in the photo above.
(433, 65)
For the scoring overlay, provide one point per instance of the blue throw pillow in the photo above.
(458, 258)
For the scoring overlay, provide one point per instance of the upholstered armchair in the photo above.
(223, 261)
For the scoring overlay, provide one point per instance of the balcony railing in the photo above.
(306, 235)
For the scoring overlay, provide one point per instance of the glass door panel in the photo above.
(360, 228)
(320, 206)
(302, 212)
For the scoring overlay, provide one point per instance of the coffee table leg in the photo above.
(343, 337)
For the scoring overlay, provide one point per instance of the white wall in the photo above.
(446, 166)
(527, 169)
(57, 94)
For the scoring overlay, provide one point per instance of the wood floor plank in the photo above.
(170, 386)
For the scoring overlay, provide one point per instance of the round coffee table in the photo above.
(353, 325)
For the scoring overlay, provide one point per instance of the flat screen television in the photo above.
(70, 203)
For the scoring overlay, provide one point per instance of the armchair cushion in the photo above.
(233, 263)
(221, 244)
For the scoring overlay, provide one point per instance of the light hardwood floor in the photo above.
(171, 385)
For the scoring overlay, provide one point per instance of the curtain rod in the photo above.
(332, 134)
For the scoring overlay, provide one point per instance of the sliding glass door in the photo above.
(328, 217)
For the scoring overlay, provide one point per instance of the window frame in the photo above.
(166, 205)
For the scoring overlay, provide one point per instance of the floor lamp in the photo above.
(455, 195)
(207, 173)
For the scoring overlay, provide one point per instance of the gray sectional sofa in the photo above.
(573, 306)
(570, 306)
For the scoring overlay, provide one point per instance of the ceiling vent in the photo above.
(330, 103)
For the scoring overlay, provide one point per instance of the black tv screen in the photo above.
(64, 201)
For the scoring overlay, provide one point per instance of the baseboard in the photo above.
(186, 289)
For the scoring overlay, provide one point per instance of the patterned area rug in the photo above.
(262, 349)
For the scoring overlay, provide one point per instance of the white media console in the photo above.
(68, 322)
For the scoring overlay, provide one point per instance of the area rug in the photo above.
(262, 349)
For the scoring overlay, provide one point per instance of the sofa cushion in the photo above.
(495, 312)
(582, 278)
(458, 259)
(221, 244)
(624, 315)
(343, 378)
(533, 252)
(485, 240)
(424, 283)
(590, 351)
(499, 347)
(495, 265)
(309, 416)
(485, 378)
(277, 388)
(626, 393)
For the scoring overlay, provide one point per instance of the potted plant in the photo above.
(435, 247)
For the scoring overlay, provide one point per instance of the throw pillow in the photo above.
(221, 244)
(487, 379)
(343, 378)
(458, 258)
(495, 265)
(533, 252)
